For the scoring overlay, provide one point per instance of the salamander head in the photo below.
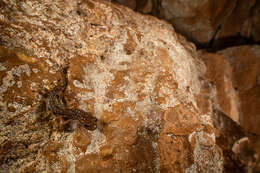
(91, 123)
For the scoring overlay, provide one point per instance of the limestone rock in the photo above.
(197, 20)
(128, 3)
(26, 132)
(240, 23)
(240, 149)
(219, 72)
(143, 6)
(65, 61)
(212, 24)
(215, 24)
(235, 71)
(255, 18)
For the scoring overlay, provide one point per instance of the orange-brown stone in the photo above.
(130, 71)
(237, 86)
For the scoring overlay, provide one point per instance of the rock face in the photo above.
(255, 19)
(63, 64)
(197, 20)
(235, 74)
(211, 24)
(144, 6)
(240, 149)
(236, 71)
(216, 24)
(240, 25)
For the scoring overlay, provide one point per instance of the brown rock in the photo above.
(181, 120)
(81, 139)
(240, 149)
(239, 23)
(197, 20)
(181, 147)
(255, 32)
(215, 24)
(132, 72)
(128, 3)
(24, 79)
(211, 24)
(219, 72)
(144, 6)
(237, 85)
(234, 72)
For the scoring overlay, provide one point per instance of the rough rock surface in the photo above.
(62, 60)
(217, 24)
(240, 25)
(240, 149)
(143, 6)
(255, 18)
(198, 20)
(214, 24)
(234, 72)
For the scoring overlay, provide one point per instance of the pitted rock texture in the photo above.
(133, 73)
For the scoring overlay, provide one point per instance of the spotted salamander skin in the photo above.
(84, 118)
(56, 105)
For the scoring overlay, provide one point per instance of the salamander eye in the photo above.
(90, 127)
